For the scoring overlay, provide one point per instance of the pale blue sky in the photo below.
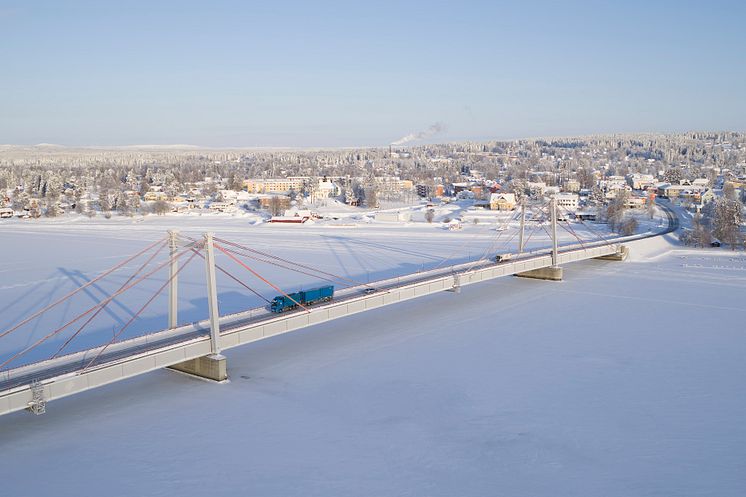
(293, 73)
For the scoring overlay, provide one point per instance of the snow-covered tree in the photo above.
(724, 217)
(160, 207)
(51, 210)
(628, 226)
(616, 209)
(429, 215)
(673, 175)
(596, 196)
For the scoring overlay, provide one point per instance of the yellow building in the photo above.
(502, 201)
(274, 185)
(152, 196)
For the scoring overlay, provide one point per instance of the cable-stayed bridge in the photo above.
(196, 348)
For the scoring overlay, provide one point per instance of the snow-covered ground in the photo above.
(625, 379)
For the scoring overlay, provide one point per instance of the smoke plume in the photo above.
(421, 135)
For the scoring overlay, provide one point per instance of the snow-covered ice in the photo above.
(625, 379)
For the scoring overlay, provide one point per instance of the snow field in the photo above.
(623, 379)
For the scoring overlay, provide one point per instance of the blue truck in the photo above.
(283, 303)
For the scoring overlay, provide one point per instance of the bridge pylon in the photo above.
(522, 232)
(213, 366)
(173, 295)
(553, 272)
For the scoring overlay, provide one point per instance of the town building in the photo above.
(571, 186)
(326, 188)
(567, 200)
(393, 216)
(281, 202)
(502, 201)
(274, 185)
(641, 181)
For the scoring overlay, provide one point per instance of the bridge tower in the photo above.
(212, 294)
(173, 296)
(214, 365)
(553, 272)
(523, 225)
(553, 214)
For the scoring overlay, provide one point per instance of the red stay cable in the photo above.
(336, 280)
(310, 268)
(80, 316)
(133, 276)
(225, 272)
(132, 319)
(258, 276)
(94, 280)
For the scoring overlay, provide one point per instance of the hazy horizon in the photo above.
(188, 146)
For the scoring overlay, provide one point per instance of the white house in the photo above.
(393, 216)
(701, 182)
(325, 189)
(567, 200)
(222, 207)
(642, 181)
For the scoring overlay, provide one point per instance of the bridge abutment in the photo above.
(620, 255)
(212, 367)
(551, 273)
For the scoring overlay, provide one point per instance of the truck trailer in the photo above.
(283, 303)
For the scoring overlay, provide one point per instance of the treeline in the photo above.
(46, 174)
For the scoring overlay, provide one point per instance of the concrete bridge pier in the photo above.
(551, 273)
(456, 288)
(211, 367)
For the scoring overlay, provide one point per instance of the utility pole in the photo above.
(523, 225)
(212, 294)
(553, 207)
(173, 297)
